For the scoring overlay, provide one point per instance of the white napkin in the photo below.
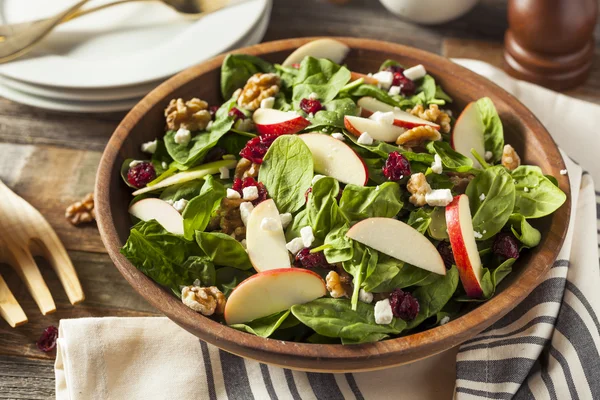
(152, 358)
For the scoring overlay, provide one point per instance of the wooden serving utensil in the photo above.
(25, 233)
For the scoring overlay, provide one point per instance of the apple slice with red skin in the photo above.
(378, 131)
(266, 249)
(268, 120)
(332, 49)
(161, 211)
(468, 133)
(272, 291)
(370, 105)
(334, 158)
(398, 240)
(462, 240)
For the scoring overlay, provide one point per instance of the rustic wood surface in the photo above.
(50, 158)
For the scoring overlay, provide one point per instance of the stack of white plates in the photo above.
(108, 60)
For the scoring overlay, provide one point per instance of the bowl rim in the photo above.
(326, 357)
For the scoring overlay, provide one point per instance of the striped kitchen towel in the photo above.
(547, 347)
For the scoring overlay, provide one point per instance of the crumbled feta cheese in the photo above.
(169, 202)
(313, 96)
(269, 102)
(209, 125)
(245, 211)
(311, 115)
(294, 245)
(338, 136)
(383, 312)
(414, 73)
(563, 171)
(180, 204)
(229, 157)
(385, 79)
(165, 165)
(245, 125)
(250, 193)
(285, 219)
(436, 165)
(316, 178)
(224, 173)
(477, 235)
(482, 196)
(439, 197)
(243, 243)
(365, 297)
(365, 138)
(419, 219)
(183, 136)
(488, 155)
(149, 147)
(526, 189)
(384, 118)
(233, 194)
(307, 236)
(394, 90)
(270, 224)
(134, 163)
(444, 320)
(484, 232)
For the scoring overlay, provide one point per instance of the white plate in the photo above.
(126, 45)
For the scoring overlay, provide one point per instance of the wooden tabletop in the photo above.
(50, 159)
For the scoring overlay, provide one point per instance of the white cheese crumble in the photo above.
(233, 194)
(250, 193)
(439, 197)
(180, 204)
(285, 219)
(338, 136)
(365, 297)
(563, 171)
(477, 235)
(384, 118)
(243, 243)
(316, 178)
(245, 211)
(414, 73)
(270, 224)
(224, 173)
(383, 312)
(169, 202)
(183, 136)
(134, 163)
(294, 245)
(436, 165)
(307, 236)
(482, 196)
(444, 320)
(526, 189)
(229, 157)
(385, 79)
(419, 219)
(165, 165)
(488, 155)
(394, 90)
(149, 147)
(365, 138)
(269, 102)
(313, 96)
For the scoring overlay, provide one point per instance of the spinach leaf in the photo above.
(333, 114)
(338, 247)
(362, 264)
(336, 318)
(187, 190)
(536, 195)
(495, 186)
(420, 218)
(322, 209)
(494, 134)
(391, 274)
(237, 68)
(227, 278)
(287, 172)
(265, 326)
(490, 279)
(451, 159)
(299, 222)
(360, 202)
(320, 76)
(198, 211)
(383, 149)
(223, 250)
(203, 267)
(160, 156)
(366, 89)
(524, 232)
(389, 63)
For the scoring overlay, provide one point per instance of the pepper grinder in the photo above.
(550, 42)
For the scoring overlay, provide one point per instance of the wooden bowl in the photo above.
(146, 122)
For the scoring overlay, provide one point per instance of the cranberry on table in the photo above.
(310, 106)
(257, 147)
(445, 250)
(47, 341)
(305, 259)
(141, 174)
(396, 167)
(506, 246)
(404, 305)
(237, 114)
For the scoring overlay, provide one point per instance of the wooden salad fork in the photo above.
(25, 233)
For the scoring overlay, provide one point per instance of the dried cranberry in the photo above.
(236, 114)
(47, 341)
(506, 246)
(213, 111)
(407, 87)
(140, 174)
(239, 184)
(404, 305)
(257, 147)
(308, 191)
(310, 106)
(306, 259)
(445, 250)
(396, 166)
(215, 154)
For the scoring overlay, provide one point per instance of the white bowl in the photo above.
(429, 12)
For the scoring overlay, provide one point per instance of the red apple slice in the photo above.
(398, 240)
(272, 291)
(378, 131)
(161, 211)
(462, 240)
(266, 249)
(335, 158)
(370, 105)
(468, 133)
(332, 49)
(268, 120)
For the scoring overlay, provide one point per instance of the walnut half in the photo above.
(335, 287)
(192, 115)
(510, 158)
(417, 135)
(418, 187)
(205, 300)
(432, 114)
(258, 87)
(81, 211)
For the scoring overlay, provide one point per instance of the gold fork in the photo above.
(25, 233)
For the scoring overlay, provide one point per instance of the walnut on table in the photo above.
(418, 135)
(418, 187)
(192, 115)
(81, 211)
(205, 300)
(258, 87)
(432, 114)
(510, 158)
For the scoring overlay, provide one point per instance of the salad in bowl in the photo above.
(321, 205)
